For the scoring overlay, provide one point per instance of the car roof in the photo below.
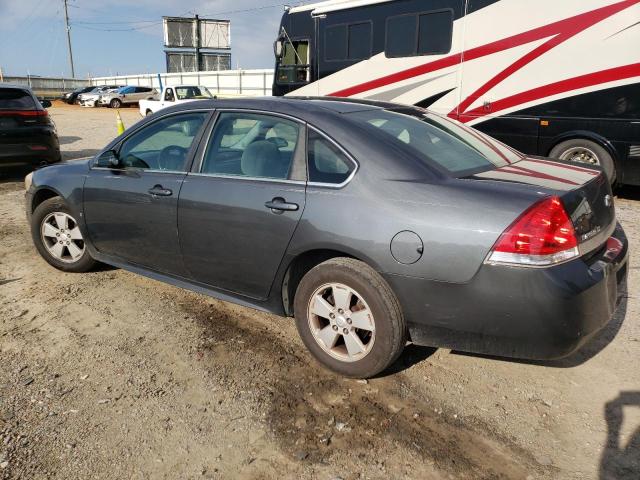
(303, 107)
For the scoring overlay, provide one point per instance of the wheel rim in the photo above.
(581, 155)
(341, 322)
(62, 238)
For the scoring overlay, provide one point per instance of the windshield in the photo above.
(187, 93)
(433, 139)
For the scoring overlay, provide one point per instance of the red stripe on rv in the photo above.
(583, 81)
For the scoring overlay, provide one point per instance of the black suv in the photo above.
(27, 135)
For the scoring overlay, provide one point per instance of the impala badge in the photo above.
(608, 201)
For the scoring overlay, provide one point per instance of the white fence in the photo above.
(223, 83)
(48, 86)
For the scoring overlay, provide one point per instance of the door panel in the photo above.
(229, 238)
(124, 220)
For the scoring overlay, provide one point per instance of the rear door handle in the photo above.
(279, 205)
(160, 191)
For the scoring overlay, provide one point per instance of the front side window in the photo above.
(326, 162)
(428, 33)
(252, 145)
(438, 141)
(162, 145)
(168, 95)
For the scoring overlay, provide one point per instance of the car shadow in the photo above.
(620, 462)
(596, 344)
(76, 154)
(412, 355)
(9, 280)
(14, 174)
(65, 140)
(628, 192)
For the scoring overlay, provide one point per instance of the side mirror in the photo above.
(45, 103)
(278, 48)
(109, 159)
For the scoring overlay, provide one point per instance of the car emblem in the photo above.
(608, 201)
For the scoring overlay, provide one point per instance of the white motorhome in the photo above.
(553, 78)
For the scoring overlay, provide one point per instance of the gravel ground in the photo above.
(110, 375)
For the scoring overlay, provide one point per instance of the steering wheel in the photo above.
(172, 158)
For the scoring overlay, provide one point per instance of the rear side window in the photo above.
(438, 141)
(428, 33)
(327, 163)
(16, 99)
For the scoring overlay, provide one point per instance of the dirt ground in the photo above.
(109, 375)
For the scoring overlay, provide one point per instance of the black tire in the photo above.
(390, 328)
(115, 103)
(603, 157)
(84, 264)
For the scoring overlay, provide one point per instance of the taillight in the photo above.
(542, 235)
(24, 113)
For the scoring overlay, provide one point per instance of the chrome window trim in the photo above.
(241, 177)
(356, 165)
(136, 169)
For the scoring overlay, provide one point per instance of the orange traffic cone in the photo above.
(119, 123)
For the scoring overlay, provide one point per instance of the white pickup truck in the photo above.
(174, 95)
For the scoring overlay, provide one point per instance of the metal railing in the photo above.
(223, 83)
(48, 86)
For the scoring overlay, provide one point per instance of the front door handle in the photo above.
(279, 205)
(160, 191)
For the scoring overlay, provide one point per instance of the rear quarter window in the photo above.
(16, 99)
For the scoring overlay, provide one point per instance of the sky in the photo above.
(33, 37)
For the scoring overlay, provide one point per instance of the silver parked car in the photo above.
(91, 99)
(127, 95)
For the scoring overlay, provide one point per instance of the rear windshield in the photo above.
(16, 99)
(439, 141)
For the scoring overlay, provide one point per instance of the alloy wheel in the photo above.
(62, 237)
(341, 322)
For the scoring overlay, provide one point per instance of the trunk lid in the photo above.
(585, 193)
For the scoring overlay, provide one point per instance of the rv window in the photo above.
(335, 43)
(359, 41)
(435, 32)
(401, 36)
(424, 34)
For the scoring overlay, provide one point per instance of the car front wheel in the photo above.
(349, 318)
(58, 238)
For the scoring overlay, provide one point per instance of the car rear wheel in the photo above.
(581, 150)
(58, 238)
(349, 318)
(115, 103)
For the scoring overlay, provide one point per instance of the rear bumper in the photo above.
(535, 313)
(23, 155)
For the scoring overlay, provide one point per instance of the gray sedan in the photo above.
(372, 224)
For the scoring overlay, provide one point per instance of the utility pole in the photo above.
(197, 43)
(66, 22)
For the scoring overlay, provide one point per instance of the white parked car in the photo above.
(174, 95)
(91, 99)
(126, 96)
